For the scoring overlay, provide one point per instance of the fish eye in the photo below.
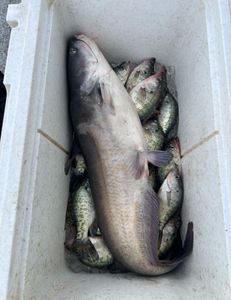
(144, 72)
(167, 101)
(151, 92)
(177, 176)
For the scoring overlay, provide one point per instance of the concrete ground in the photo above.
(4, 31)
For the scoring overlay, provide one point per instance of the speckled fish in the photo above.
(123, 70)
(174, 147)
(79, 168)
(154, 135)
(83, 210)
(169, 235)
(147, 95)
(96, 254)
(170, 196)
(112, 142)
(140, 72)
(168, 114)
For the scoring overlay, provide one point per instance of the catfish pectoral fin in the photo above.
(159, 158)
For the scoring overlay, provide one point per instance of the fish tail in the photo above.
(165, 266)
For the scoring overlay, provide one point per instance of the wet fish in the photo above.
(152, 178)
(141, 72)
(96, 254)
(168, 114)
(154, 135)
(170, 196)
(123, 71)
(79, 168)
(174, 147)
(147, 96)
(112, 142)
(169, 235)
(84, 211)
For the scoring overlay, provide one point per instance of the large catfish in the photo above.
(111, 139)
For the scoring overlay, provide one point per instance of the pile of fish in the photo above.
(126, 188)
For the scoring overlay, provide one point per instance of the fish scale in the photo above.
(111, 138)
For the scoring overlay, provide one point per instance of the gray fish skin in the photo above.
(140, 72)
(170, 196)
(168, 117)
(147, 95)
(174, 147)
(169, 235)
(112, 142)
(123, 71)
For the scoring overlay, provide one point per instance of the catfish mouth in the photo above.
(82, 38)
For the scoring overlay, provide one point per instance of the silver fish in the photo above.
(168, 117)
(174, 147)
(96, 254)
(169, 235)
(147, 96)
(154, 135)
(112, 141)
(140, 72)
(123, 70)
(171, 196)
(80, 168)
(83, 210)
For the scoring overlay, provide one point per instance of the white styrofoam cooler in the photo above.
(195, 37)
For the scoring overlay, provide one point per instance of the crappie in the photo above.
(147, 95)
(174, 147)
(79, 168)
(170, 196)
(140, 72)
(83, 210)
(169, 235)
(168, 117)
(154, 135)
(113, 145)
(123, 70)
(96, 254)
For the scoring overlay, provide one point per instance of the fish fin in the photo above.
(107, 97)
(159, 158)
(186, 251)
